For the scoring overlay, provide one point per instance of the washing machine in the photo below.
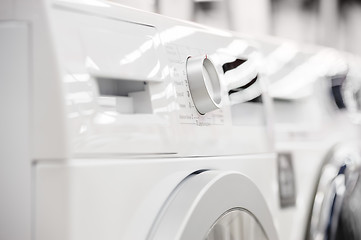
(124, 124)
(315, 93)
(336, 211)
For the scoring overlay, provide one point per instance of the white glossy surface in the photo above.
(121, 199)
(144, 47)
(15, 164)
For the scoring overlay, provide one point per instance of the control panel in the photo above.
(197, 86)
(137, 85)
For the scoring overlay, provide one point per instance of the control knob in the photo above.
(204, 84)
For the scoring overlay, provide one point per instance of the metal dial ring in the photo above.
(204, 84)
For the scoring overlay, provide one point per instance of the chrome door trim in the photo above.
(338, 177)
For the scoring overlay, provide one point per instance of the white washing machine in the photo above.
(123, 124)
(316, 102)
(336, 209)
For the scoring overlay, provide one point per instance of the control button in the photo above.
(286, 180)
(204, 84)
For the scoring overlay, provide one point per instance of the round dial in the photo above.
(204, 84)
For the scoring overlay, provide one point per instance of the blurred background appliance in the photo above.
(317, 107)
(334, 23)
(336, 212)
(123, 124)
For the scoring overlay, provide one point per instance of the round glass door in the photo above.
(236, 224)
(336, 212)
(215, 205)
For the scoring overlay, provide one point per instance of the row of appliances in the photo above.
(123, 124)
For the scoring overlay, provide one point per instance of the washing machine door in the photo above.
(214, 205)
(336, 212)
